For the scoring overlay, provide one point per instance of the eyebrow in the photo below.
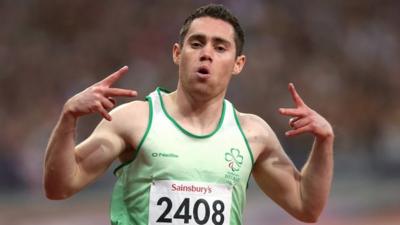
(202, 37)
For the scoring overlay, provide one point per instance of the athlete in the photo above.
(187, 155)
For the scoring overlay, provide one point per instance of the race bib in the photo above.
(178, 202)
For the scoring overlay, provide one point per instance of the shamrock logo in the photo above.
(234, 158)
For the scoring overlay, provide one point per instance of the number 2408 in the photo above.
(182, 212)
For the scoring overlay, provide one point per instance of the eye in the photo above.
(195, 44)
(220, 48)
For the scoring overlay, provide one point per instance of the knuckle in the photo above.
(94, 88)
(98, 89)
(308, 112)
(98, 105)
(95, 107)
(97, 95)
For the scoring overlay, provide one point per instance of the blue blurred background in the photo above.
(343, 56)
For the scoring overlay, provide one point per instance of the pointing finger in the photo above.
(295, 96)
(120, 92)
(292, 112)
(108, 81)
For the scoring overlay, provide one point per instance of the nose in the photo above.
(206, 53)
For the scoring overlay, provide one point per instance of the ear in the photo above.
(176, 53)
(239, 64)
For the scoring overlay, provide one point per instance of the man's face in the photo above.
(207, 59)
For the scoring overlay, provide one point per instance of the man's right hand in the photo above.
(98, 97)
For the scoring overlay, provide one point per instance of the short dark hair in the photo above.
(216, 11)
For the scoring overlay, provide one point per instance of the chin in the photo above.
(203, 91)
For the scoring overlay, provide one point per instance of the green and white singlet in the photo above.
(177, 177)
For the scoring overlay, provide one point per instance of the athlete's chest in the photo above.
(167, 156)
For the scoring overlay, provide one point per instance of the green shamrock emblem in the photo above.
(234, 158)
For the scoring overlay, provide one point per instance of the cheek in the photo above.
(228, 67)
(183, 62)
(184, 65)
(186, 58)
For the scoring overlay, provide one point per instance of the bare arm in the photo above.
(301, 193)
(68, 168)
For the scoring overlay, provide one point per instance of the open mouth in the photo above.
(203, 72)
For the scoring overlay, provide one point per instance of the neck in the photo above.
(196, 113)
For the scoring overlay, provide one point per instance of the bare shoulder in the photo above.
(129, 122)
(136, 108)
(252, 122)
(131, 116)
(254, 126)
(259, 134)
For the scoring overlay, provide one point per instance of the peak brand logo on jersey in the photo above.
(234, 159)
(191, 188)
(164, 155)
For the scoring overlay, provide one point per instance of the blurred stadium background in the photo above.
(343, 56)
